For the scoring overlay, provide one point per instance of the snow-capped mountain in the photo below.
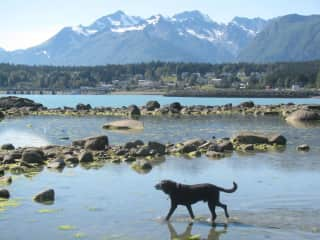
(119, 38)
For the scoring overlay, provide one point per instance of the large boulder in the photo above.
(303, 115)
(96, 143)
(157, 147)
(17, 102)
(4, 193)
(83, 107)
(251, 138)
(86, 157)
(124, 125)
(248, 104)
(45, 196)
(175, 107)
(33, 156)
(57, 163)
(133, 110)
(259, 138)
(2, 115)
(152, 105)
(7, 146)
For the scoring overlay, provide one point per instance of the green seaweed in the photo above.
(47, 210)
(8, 203)
(79, 235)
(66, 227)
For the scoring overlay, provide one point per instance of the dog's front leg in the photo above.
(190, 211)
(172, 208)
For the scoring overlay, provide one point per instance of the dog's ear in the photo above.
(168, 186)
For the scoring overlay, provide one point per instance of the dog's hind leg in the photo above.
(190, 211)
(224, 208)
(212, 208)
(173, 207)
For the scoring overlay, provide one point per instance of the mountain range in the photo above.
(188, 36)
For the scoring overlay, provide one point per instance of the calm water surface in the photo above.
(278, 196)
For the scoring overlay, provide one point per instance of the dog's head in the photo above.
(167, 186)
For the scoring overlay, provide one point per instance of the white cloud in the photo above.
(10, 40)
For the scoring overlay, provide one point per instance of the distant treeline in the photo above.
(275, 75)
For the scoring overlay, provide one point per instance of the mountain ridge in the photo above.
(187, 36)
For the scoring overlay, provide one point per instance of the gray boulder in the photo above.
(303, 115)
(33, 156)
(152, 105)
(96, 143)
(83, 107)
(157, 147)
(17, 102)
(175, 107)
(133, 110)
(4, 193)
(45, 196)
(56, 164)
(303, 147)
(248, 104)
(7, 146)
(86, 157)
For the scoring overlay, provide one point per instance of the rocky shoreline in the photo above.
(95, 152)
(15, 106)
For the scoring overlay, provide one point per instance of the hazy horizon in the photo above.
(27, 23)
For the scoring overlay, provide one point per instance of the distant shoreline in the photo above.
(229, 93)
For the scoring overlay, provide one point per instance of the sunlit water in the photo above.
(278, 195)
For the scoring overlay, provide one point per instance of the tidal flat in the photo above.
(277, 196)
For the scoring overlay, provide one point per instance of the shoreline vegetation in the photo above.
(195, 79)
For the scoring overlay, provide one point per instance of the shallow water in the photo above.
(53, 101)
(278, 195)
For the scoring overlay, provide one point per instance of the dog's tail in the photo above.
(231, 190)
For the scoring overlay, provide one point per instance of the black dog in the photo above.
(182, 194)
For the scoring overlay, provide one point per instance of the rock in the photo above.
(247, 147)
(133, 110)
(157, 147)
(303, 115)
(187, 148)
(69, 159)
(141, 166)
(81, 107)
(175, 107)
(32, 156)
(143, 151)
(85, 157)
(134, 144)
(124, 125)
(196, 142)
(45, 196)
(225, 145)
(17, 102)
(2, 115)
(96, 143)
(251, 138)
(121, 152)
(303, 147)
(277, 139)
(2, 172)
(213, 154)
(248, 104)
(4, 193)
(9, 159)
(152, 105)
(7, 146)
(57, 164)
(6, 180)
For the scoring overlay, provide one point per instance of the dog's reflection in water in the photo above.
(213, 234)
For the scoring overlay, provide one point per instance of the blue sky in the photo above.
(25, 23)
